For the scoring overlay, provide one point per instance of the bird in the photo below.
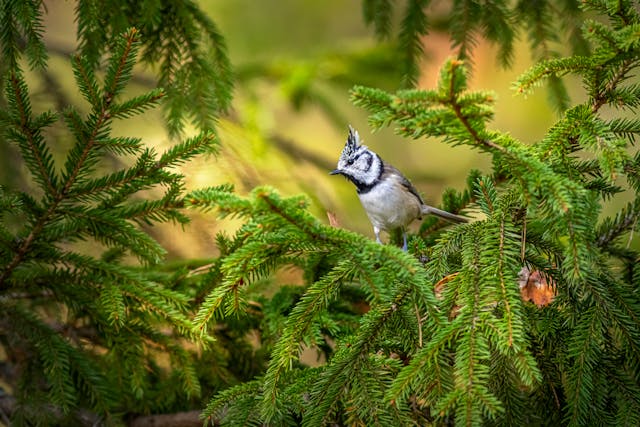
(387, 196)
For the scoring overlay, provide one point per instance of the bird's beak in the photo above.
(335, 172)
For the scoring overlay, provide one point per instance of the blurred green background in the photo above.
(295, 62)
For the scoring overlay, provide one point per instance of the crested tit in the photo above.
(388, 198)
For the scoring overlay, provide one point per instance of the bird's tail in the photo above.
(426, 209)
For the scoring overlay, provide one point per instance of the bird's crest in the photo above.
(353, 142)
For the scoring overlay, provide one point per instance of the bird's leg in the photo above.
(404, 241)
(376, 231)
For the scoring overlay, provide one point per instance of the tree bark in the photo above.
(179, 419)
(87, 419)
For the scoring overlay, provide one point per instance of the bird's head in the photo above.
(357, 162)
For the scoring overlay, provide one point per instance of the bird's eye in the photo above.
(350, 161)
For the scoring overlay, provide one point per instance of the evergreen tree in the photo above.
(474, 352)
(100, 333)
(93, 329)
(81, 329)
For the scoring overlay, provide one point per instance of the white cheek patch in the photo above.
(373, 169)
(361, 166)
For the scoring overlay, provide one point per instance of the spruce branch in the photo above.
(79, 155)
(38, 156)
(414, 26)
(379, 14)
(83, 156)
(223, 402)
(315, 300)
(551, 67)
(463, 33)
(603, 95)
(180, 41)
(428, 368)
(453, 74)
(21, 31)
(62, 362)
(326, 392)
(86, 79)
(502, 274)
(583, 348)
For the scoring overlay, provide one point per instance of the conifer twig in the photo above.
(28, 132)
(419, 321)
(58, 196)
(457, 109)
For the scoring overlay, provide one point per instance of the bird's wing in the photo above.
(390, 170)
(424, 209)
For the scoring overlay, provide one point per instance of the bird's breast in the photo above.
(388, 205)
